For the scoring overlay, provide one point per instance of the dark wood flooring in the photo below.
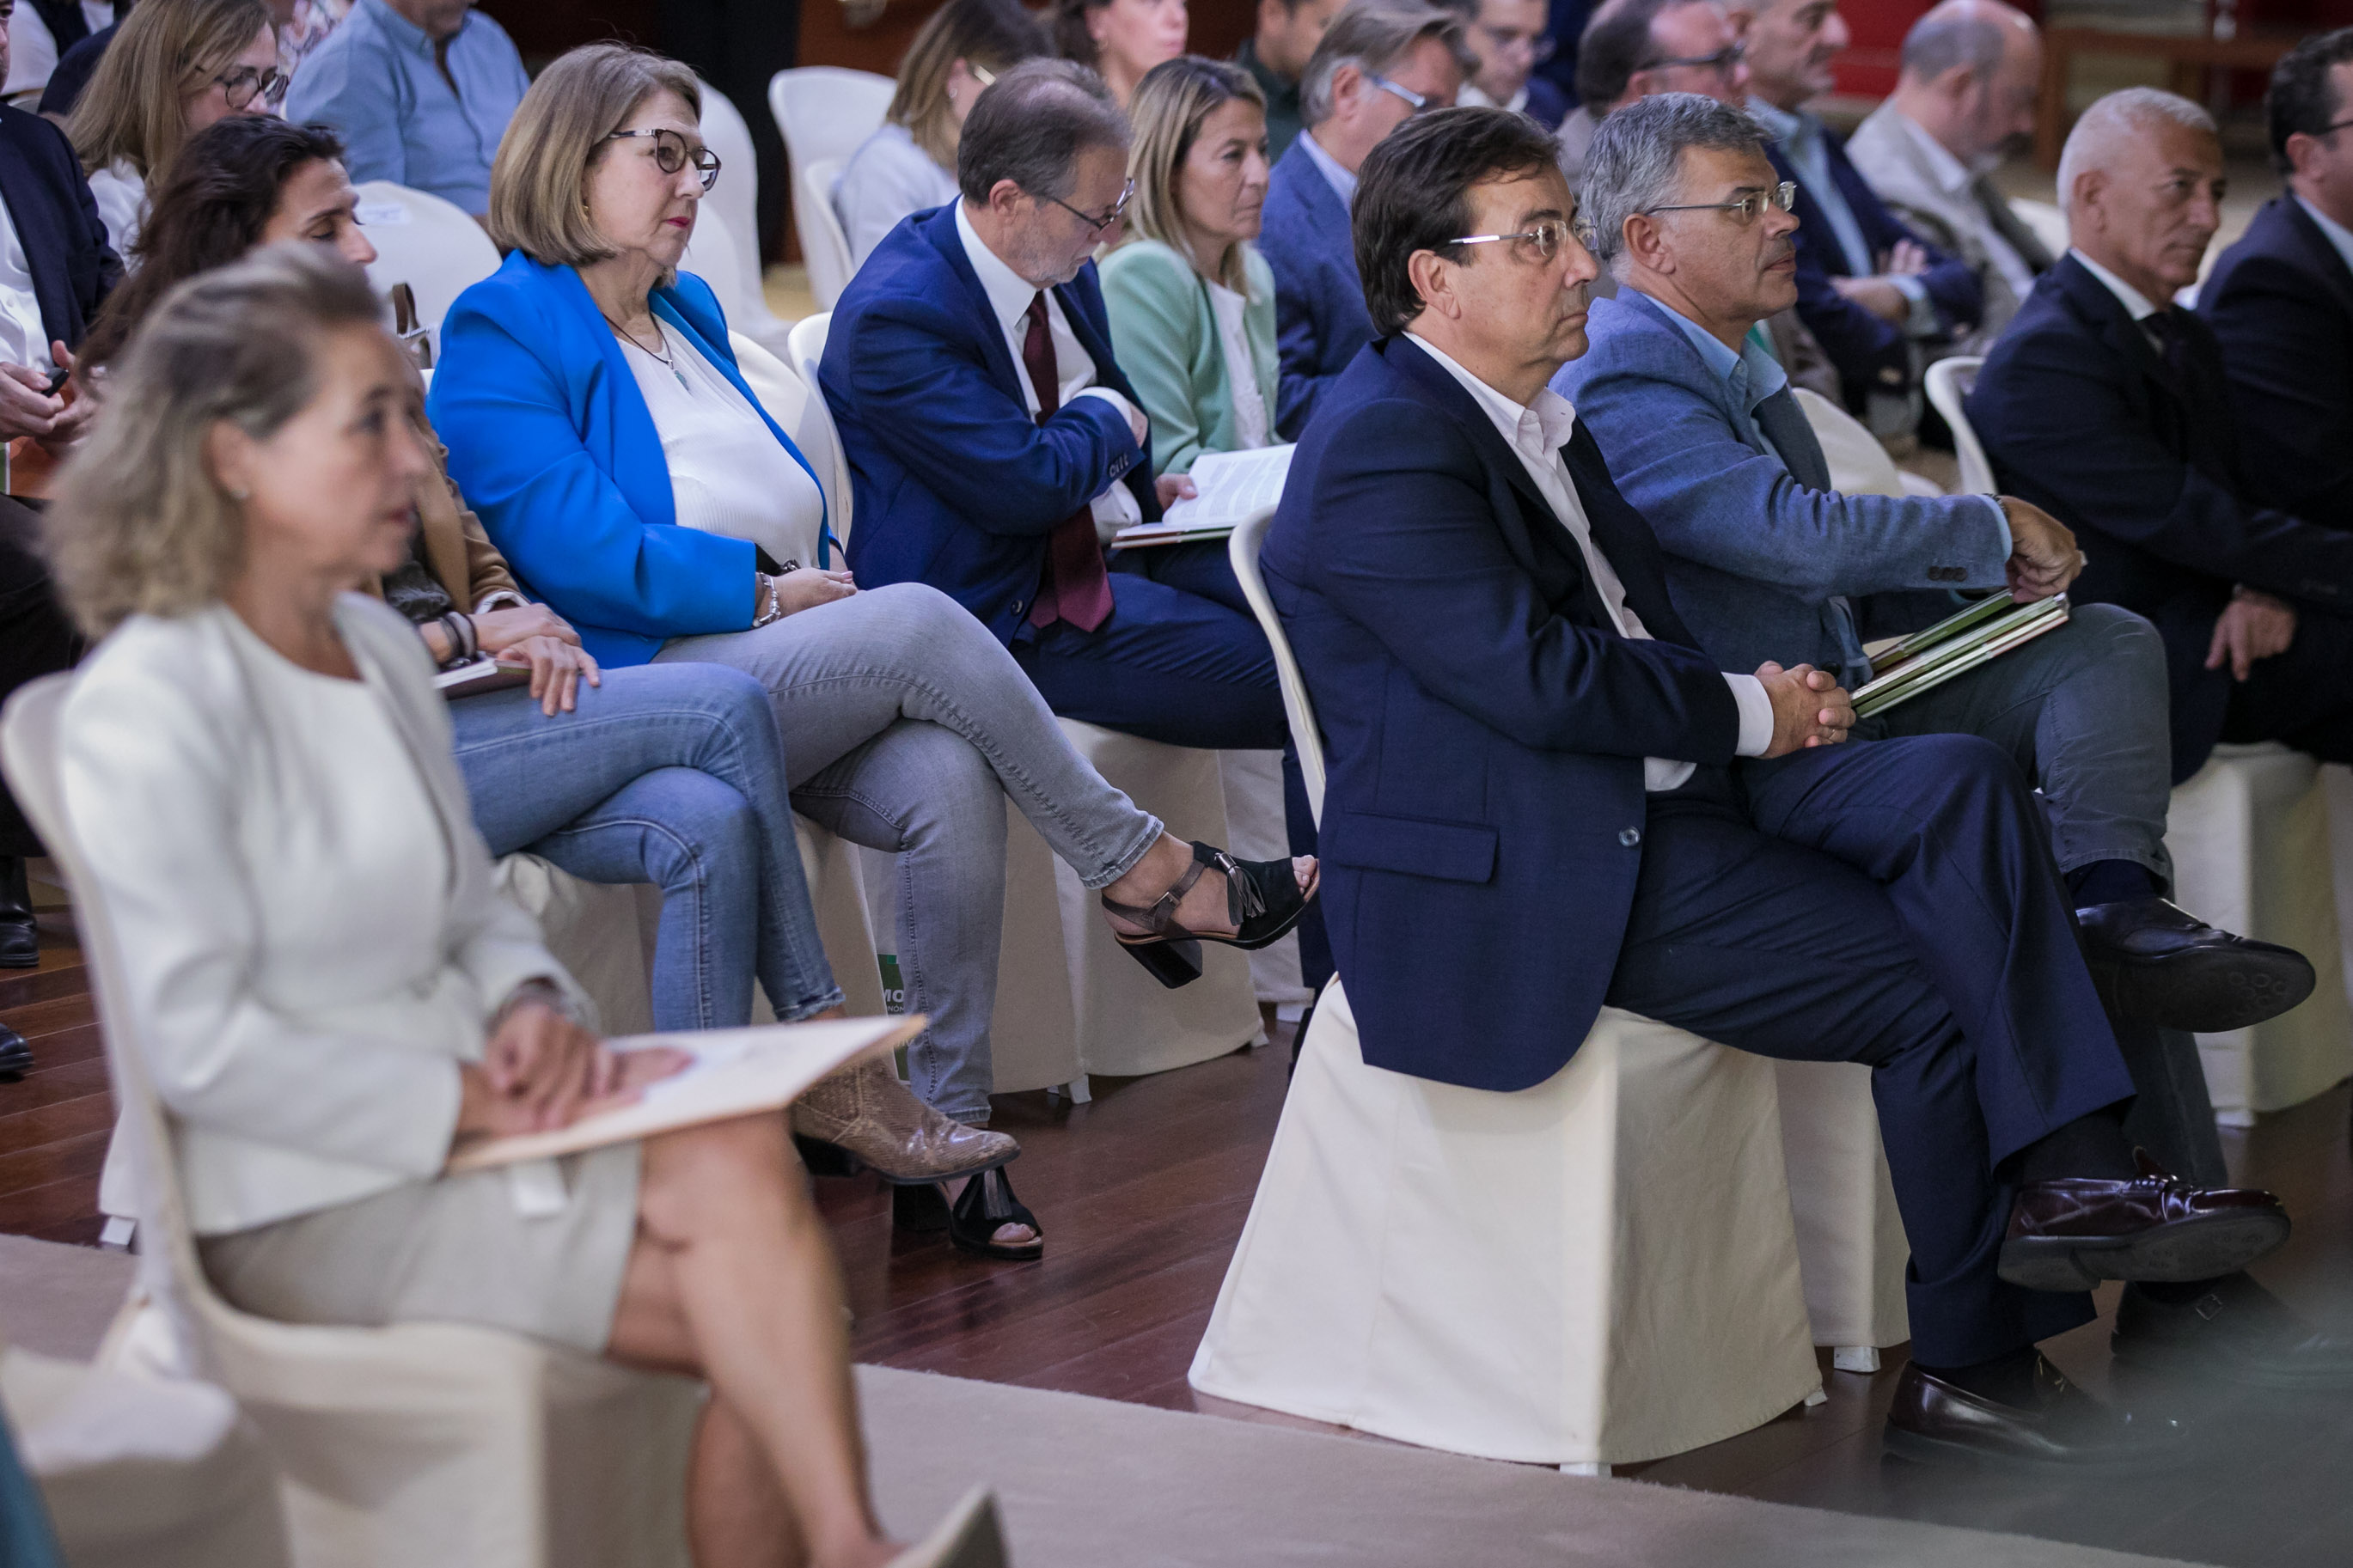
(1144, 1191)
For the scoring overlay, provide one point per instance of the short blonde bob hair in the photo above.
(139, 526)
(1171, 102)
(995, 35)
(539, 181)
(134, 107)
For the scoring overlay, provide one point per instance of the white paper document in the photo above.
(1235, 487)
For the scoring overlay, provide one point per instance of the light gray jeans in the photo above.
(2085, 711)
(906, 726)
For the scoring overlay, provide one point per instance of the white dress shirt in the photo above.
(728, 473)
(32, 49)
(1232, 310)
(121, 199)
(1536, 435)
(2336, 233)
(2136, 303)
(1009, 294)
(23, 337)
(1342, 184)
(1957, 179)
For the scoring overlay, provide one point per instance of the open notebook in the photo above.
(734, 1073)
(1235, 486)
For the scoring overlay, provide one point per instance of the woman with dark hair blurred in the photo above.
(1120, 40)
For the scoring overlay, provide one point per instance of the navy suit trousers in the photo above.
(1893, 904)
(1182, 661)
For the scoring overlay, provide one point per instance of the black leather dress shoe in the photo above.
(2065, 1428)
(20, 938)
(2069, 1234)
(2236, 1333)
(15, 1056)
(2155, 963)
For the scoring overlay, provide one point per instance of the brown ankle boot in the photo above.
(865, 1112)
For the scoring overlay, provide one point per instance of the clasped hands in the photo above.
(541, 1070)
(1809, 707)
(27, 407)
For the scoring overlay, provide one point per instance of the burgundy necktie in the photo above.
(1075, 588)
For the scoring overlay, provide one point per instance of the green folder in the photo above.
(1954, 646)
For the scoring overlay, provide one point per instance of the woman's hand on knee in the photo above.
(806, 587)
(557, 668)
(541, 1070)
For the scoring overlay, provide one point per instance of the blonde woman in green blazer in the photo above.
(1191, 301)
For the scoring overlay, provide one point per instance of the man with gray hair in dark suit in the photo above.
(1765, 561)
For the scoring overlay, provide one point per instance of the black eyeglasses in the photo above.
(1748, 209)
(2330, 129)
(1543, 241)
(1723, 62)
(240, 87)
(671, 153)
(1118, 209)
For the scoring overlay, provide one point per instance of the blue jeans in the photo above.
(671, 774)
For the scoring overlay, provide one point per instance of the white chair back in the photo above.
(823, 112)
(1949, 382)
(798, 409)
(736, 197)
(713, 257)
(808, 344)
(825, 246)
(1858, 465)
(1243, 548)
(2049, 224)
(432, 246)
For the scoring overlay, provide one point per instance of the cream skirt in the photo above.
(492, 1248)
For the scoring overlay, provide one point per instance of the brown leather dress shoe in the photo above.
(1934, 1420)
(865, 1113)
(2069, 1235)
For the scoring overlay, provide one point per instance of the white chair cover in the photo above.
(135, 1472)
(418, 1443)
(1257, 829)
(825, 247)
(431, 245)
(2048, 222)
(1597, 1270)
(1858, 465)
(736, 199)
(2250, 839)
(823, 112)
(1950, 381)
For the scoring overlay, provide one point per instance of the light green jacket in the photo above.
(1165, 332)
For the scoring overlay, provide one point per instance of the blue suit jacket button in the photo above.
(1629, 836)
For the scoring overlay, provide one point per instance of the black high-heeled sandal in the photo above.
(985, 1205)
(1263, 899)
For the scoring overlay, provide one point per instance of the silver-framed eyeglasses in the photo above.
(1100, 224)
(1748, 209)
(671, 153)
(1543, 240)
(1416, 100)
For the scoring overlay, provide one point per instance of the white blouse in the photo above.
(728, 473)
(121, 198)
(886, 178)
(1250, 425)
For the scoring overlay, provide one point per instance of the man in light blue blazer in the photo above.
(1766, 560)
(1380, 62)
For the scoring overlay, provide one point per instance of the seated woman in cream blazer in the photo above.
(1191, 301)
(328, 992)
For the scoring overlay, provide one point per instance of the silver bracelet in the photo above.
(775, 610)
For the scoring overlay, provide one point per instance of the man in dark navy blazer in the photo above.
(994, 445)
(2108, 405)
(1379, 62)
(1534, 808)
(52, 280)
(1868, 287)
(2281, 300)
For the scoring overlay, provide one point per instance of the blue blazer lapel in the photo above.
(2319, 254)
(940, 230)
(633, 455)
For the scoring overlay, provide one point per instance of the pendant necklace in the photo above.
(664, 360)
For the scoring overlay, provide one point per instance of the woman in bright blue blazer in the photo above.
(597, 421)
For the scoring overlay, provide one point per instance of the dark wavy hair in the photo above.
(1413, 193)
(222, 189)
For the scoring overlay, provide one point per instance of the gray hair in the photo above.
(1030, 126)
(2113, 119)
(1953, 35)
(1636, 158)
(1373, 36)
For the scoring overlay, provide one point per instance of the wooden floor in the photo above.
(1144, 1191)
